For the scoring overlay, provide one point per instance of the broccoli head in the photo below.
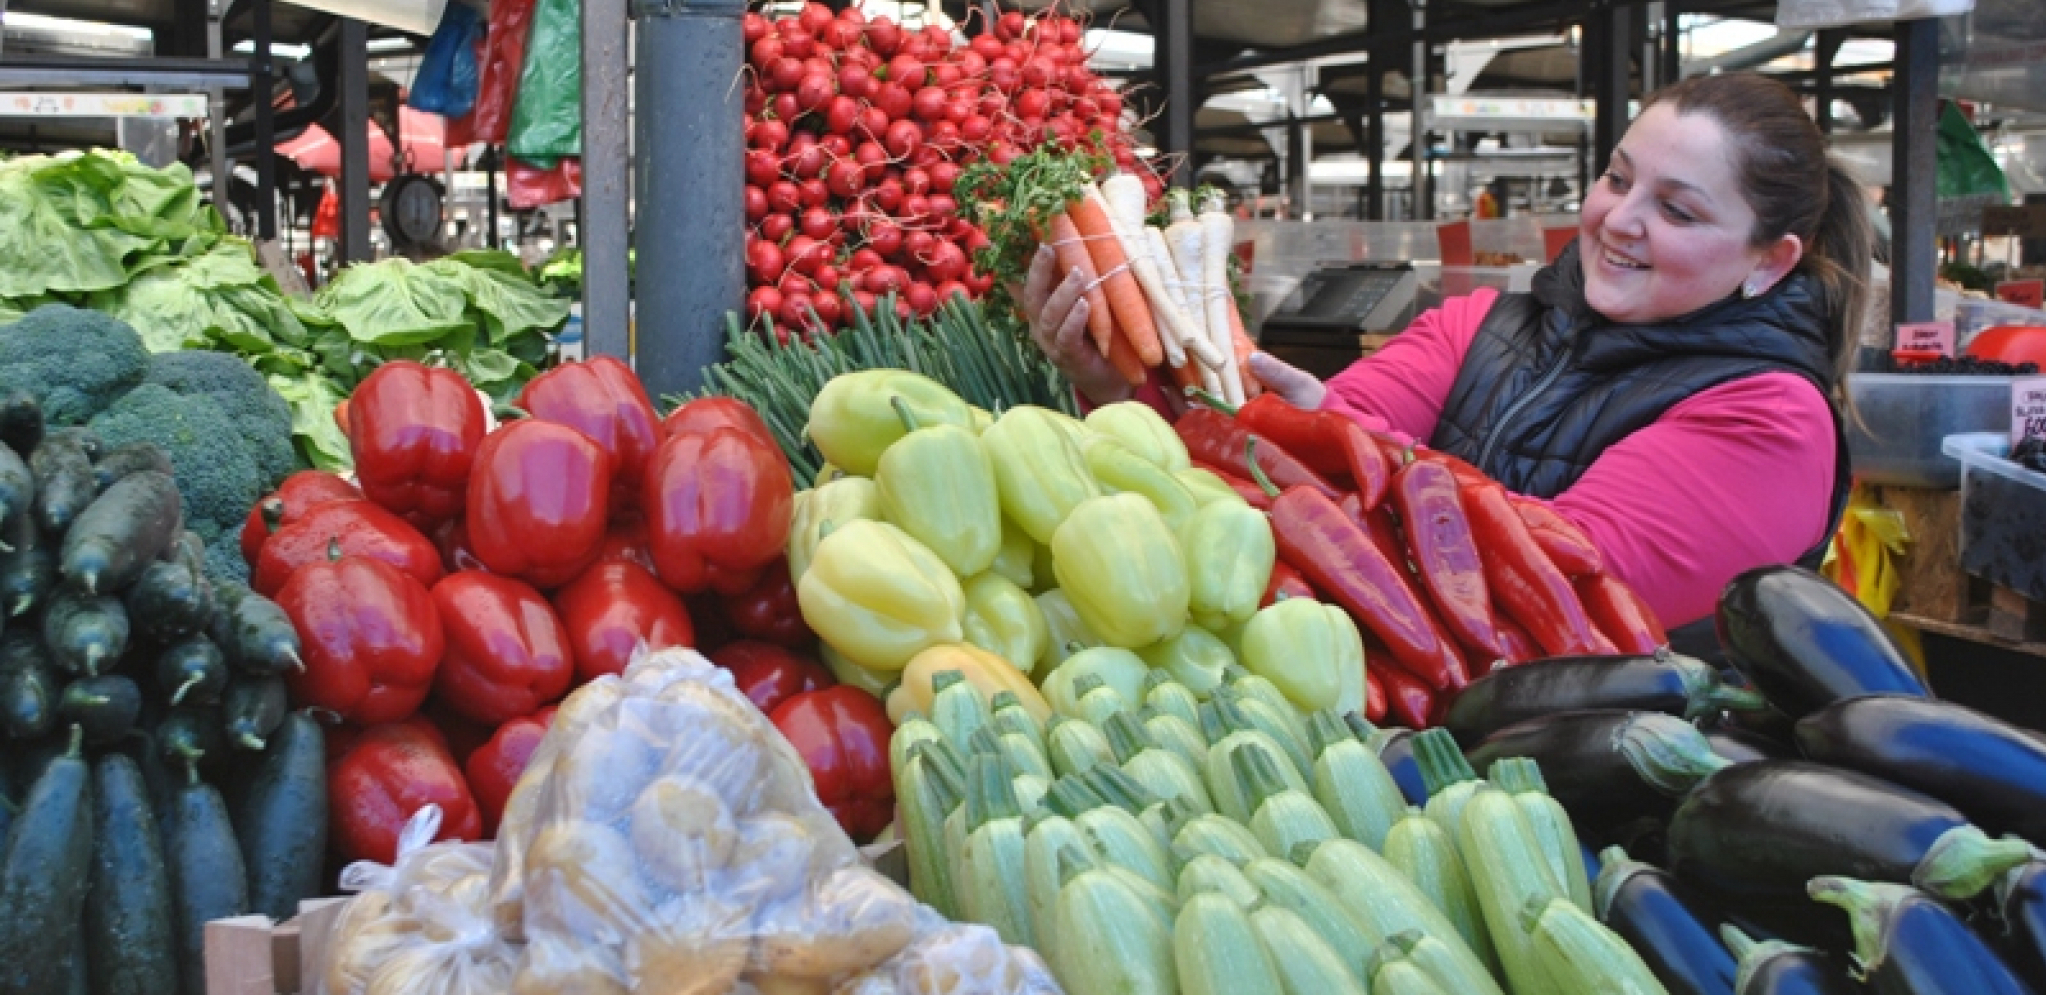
(216, 475)
(224, 557)
(244, 395)
(75, 362)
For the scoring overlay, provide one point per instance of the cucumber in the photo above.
(30, 759)
(104, 706)
(17, 488)
(251, 709)
(254, 634)
(21, 420)
(281, 819)
(134, 457)
(208, 879)
(8, 806)
(192, 733)
(191, 671)
(121, 533)
(140, 747)
(63, 480)
(28, 567)
(29, 687)
(171, 600)
(43, 877)
(83, 631)
(130, 939)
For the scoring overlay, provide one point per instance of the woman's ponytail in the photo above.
(1842, 249)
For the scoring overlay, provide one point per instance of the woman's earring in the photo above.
(1747, 291)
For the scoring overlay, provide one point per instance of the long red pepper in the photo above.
(1520, 647)
(1378, 523)
(1217, 440)
(1330, 443)
(1445, 555)
(1621, 615)
(1286, 582)
(1407, 697)
(1341, 561)
(1374, 697)
(1249, 492)
(1568, 547)
(1525, 581)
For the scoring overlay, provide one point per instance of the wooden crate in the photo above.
(251, 955)
(1930, 581)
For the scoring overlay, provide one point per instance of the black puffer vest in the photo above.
(1548, 384)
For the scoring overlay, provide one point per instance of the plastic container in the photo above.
(2003, 514)
(1904, 417)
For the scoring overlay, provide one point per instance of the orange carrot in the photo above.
(1186, 374)
(1073, 255)
(1125, 298)
(1123, 357)
(1244, 347)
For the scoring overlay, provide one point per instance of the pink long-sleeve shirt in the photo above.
(1736, 476)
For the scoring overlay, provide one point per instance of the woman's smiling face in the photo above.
(1665, 230)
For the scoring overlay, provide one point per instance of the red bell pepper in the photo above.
(1374, 697)
(507, 653)
(496, 766)
(372, 639)
(341, 736)
(389, 773)
(1621, 615)
(625, 539)
(538, 502)
(1251, 493)
(842, 734)
(1217, 440)
(461, 734)
(288, 503)
(1407, 697)
(770, 674)
(452, 539)
(707, 614)
(363, 528)
(769, 610)
(1568, 547)
(415, 431)
(1525, 581)
(611, 609)
(1444, 554)
(706, 414)
(1285, 582)
(1329, 442)
(718, 506)
(602, 399)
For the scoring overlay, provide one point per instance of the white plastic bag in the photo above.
(422, 926)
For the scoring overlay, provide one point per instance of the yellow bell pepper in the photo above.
(1065, 634)
(1003, 619)
(1039, 468)
(1207, 488)
(841, 502)
(1122, 569)
(1119, 470)
(1305, 647)
(937, 485)
(982, 418)
(1194, 657)
(845, 671)
(1119, 668)
(1229, 556)
(853, 419)
(988, 673)
(1140, 427)
(1043, 573)
(880, 597)
(1017, 556)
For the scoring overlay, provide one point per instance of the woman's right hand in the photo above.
(1057, 308)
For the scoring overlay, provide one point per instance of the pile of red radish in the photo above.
(856, 130)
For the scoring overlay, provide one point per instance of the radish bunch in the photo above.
(857, 129)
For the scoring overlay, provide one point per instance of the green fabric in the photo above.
(547, 117)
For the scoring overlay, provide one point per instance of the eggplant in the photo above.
(1773, 967)
(1663, 682)
(1396, 750)
(1909, 944)
(1991, 770)
(1805, 643)
(1750, 836)
(1671, 928)
(1608, 767)
(1740, 746)
(2021, 910)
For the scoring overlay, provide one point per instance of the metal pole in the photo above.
(691, 175)
(354, 141)
(1296, 168)
(607, 168)
(216, 114)
(1651, 45)
(1672, 43)
(1417, 118)
(490, 156)
(1825, 49)
(1609, 87)
(266, 134)
(1914, 170)
(1374, 141)
(1175, 62)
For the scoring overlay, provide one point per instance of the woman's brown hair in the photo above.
(1794, 188)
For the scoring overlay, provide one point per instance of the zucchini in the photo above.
(84, 631)
(44, 876)
(927, 793)
(1451, 781)
(17, 492)
(1161, 771)
(992, 888)
(135, 457)
(21, 420)
(1426, 854)
(1094, 701)
(64, 484)
(1171, 697)
(1075, 746)
(1508, 871)
(251, 709)
(1773, 967)
(28, 567)
(1805, 643)
(1175, 734)
(1245, 684)
(2021, 907)
(281, 819)
(1307, 965)
(1666, 682)
(191, 671)
(29, 688)
(1267, 718)
(1199, 872)
(1393, 973)
(957, 708)
(1045, 836)
(105, 707)
(129, 936)
(1672, 929)
(1608, 768)
(208, 878)
(1350, 783)
(1908, 944)
(1385, 904)
(1283, 885)
(1006, 713)
(1522, 778)
(1991, 770)
(1121, 840)
(252, 632)
(1106, 939)
(1281, 817)
(912, 730)
(1211, 832)
(1578, 956)
(121, 533)
(1217, 952)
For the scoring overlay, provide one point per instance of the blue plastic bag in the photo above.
(446, 83)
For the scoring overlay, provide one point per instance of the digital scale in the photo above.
(1320, 326)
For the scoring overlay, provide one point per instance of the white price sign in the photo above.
(2027, 409)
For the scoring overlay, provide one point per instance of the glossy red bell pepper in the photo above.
(452, 539)
(496, 766)
(538, 502)
(1329, 442)
(1444, 555)
(288, 503)
(1374, 696)
(706, 414)
(625, 539)
(770, 674)
(603, 399)
(1621, 615)
(363, 528)
(1523, 579)
(842, 734)
(507, 653)
(1568, 547)
(415, 430)
(1217, 440)
(1285, 581)
(388, 773)
(461, 734)
(611, 609)
(769, 610)
(371, 639)
(718, 506)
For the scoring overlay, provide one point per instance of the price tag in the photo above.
(2027, 409)
(1926, 338)
(2023, 293)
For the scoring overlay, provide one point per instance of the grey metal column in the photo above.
(1914, 170)
(1417, 119)
(354, 139)
(490, 157)
(260, 88)
(216, 115)
(1297, 189)
(1672, 43)
(1374, 140)
(607, 168)
(690, 180)
(1174, 40)
(1651, 45)
(1825, 48)
(1609, 86)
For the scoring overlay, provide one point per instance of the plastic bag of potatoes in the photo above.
(421, 927)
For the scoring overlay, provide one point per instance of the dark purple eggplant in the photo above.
(1750, 836)
(1671, 928)
(1991, 770)
(1396, 750)
(1805, 643)
(1907, 943)
(1740, 746)
(1665, 682)
(2021, 914)
(1607, 767)
(1773, 967)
